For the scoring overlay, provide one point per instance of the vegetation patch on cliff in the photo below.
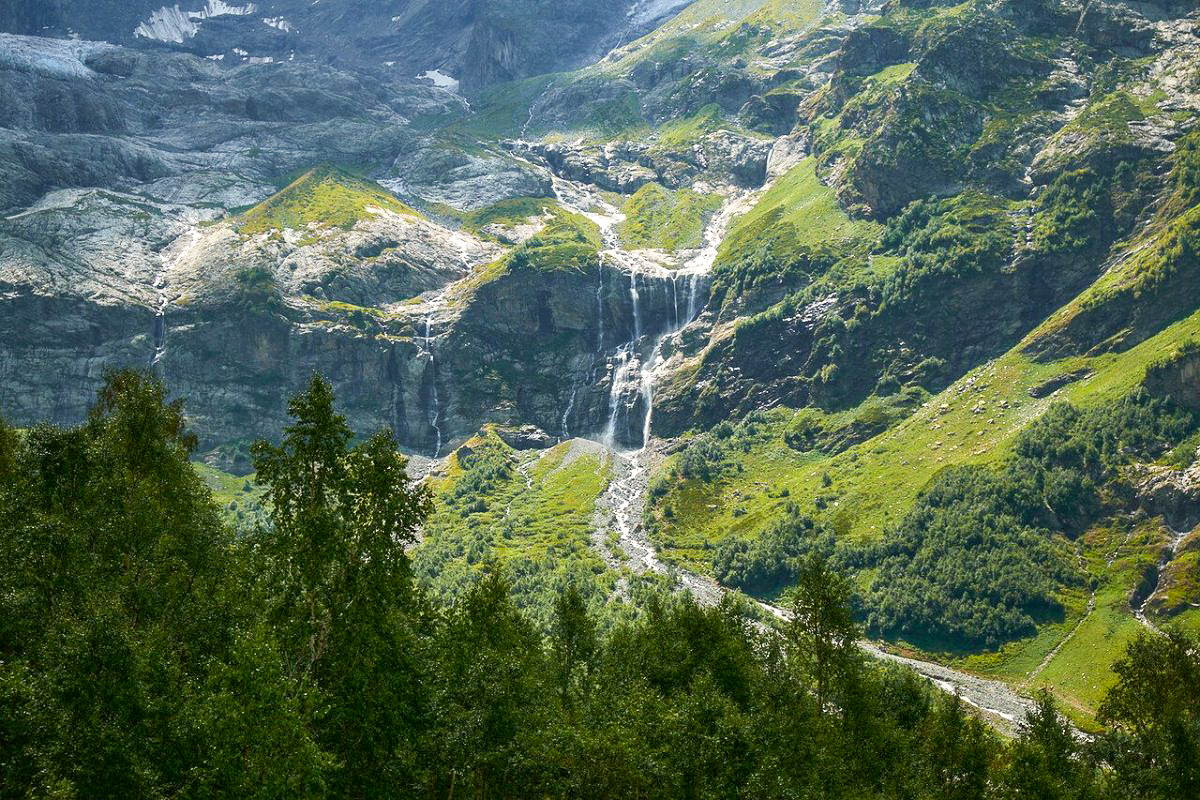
(659, 218)
(326, 197)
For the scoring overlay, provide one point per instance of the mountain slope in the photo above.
(807, 278)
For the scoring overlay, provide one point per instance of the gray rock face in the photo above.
(479, 41)
(625, 167)
(1170, 493)
(463, 180)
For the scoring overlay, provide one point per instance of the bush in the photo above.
(977, 561)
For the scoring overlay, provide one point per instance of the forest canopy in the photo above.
(149, 650)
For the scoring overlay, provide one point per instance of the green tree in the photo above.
(340, 586)
(956, 751)
(117, 620)
(1154, 709)
(1045, 762)
(822, 635)
(490, 690)
(572, 645)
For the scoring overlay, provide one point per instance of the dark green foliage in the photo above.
(1096, 441)
(771, 255)
(339, 584)
(979, 559)
(707, 457)
(146, 651)
(1186, 175)
(822, 632)
(703, 460)
(947, 239)
(131, 663)
(768, 563)
(1046, 760)
(255, 290)
(969, 564)
(1155, 710)
(1083, 211)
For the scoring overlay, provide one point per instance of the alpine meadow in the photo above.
(571, 399)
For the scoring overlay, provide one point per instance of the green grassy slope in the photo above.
(325, 197)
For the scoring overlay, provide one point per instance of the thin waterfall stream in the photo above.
(435, 413)
(164, 299)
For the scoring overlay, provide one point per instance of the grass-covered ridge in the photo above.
(323, 197)
(566, 241)
(659, 218)
(526, 513)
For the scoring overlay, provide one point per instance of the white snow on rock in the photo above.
(58, 57)
(174, 25)
(646, 11)
(439, 79)
(167, 25)
(279, 23)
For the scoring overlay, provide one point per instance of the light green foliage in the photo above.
(794, 233)
(325, 197)
(797, 211)
(508, 212)
(527, 514)
(568, 241)
(684, 132)
(238, 496)
(666, 220)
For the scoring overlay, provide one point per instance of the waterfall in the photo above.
(675, 297)
(164, 300)
(600, 312)
(637, 314)
(435, 414)
(693, 295)
(626, 361)
(566, 417)
(634, 367)
(647, 388)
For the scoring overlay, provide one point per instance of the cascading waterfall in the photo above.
(566, 417)
(164, 300)
(625, 362)
(435, 414)
(635, 366)
(634, 298)
(600, 313)
(693, 307)
(675, 298)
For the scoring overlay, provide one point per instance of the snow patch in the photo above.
(62, 58)
(173, 25)
(167, 25)
(439, 79)
(279, 23)
(647, 11)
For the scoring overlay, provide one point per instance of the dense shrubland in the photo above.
(986, 551)
(146, 650)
